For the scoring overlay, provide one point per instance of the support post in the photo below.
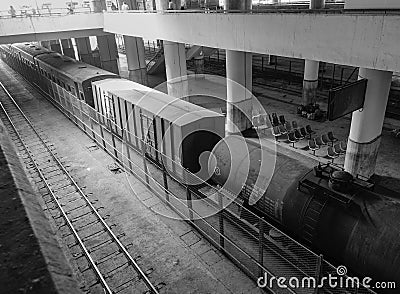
(366, 124)
(134, 49)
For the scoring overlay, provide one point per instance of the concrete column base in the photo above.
(309, 91)
(68, 48)
(199, 65)
(236, 118)
(179, 89)
(110, 65)
(139, 76)
(361, 157)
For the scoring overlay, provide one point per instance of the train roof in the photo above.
(172, 109)
(76, 70)
(31, 49)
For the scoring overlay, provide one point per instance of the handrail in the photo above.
(384, 11)
(264, 10)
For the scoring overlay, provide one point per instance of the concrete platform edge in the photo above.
(56, 274)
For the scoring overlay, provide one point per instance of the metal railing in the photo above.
(22, 13)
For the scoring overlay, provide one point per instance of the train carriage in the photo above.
(23, 58)
(74, 76)
(173, 129)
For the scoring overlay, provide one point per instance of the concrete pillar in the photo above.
(108, 50)
(135, 55)
(310, 81)
(108, 53)
(98, 5)
(55, 46)
(239, 91)
(45, 44)
(366, 124)
(311, 67)
(317, 4)
(199, 66)
(175, 65)
(84, 50)
(239, 81)
(67, 48)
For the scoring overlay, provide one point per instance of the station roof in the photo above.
(172, 109)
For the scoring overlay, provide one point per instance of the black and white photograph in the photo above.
(199, 146)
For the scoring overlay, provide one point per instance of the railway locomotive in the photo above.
(350, 220)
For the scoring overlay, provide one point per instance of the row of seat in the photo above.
(293, 132)
(280, 126)
(336, 150)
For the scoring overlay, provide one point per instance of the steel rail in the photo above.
(122, 248)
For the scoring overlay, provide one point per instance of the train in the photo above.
(352, 221)
(184, 130)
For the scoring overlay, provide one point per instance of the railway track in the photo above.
(108, 265)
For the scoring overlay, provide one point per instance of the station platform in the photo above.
(284, 103)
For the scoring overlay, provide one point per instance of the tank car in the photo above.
(349, 220)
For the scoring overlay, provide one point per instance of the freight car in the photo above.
(176, 132)
(349, 220)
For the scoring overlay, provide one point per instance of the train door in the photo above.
(76, 94)
(109, 111)
(148, 126)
